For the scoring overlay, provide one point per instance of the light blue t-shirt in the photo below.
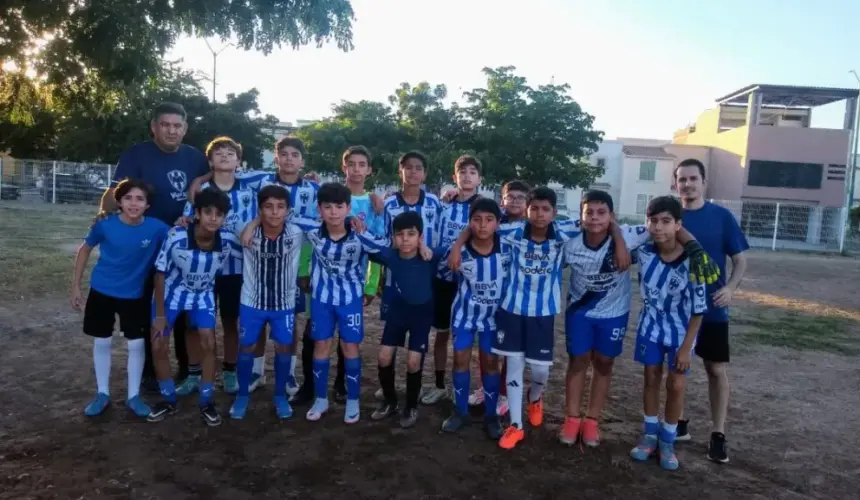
(126, 254)
(362, 208)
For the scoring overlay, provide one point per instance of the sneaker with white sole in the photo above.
(477, 397)
(257, 382)
(319, 409)
(433, 395)
(188, 386)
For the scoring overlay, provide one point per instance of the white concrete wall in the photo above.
(632, 187)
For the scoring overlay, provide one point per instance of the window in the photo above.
(785, 174)
(561, 200)
(642, 201)
(647, 170)
(601, 162)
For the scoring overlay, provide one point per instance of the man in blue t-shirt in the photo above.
(718, 232)
(168, 166)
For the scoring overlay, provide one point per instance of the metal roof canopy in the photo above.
(789, 96)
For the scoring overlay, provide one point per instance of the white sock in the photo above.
(259, 365)
(293, 366)
(101, 360)
(539, 378)
(136, 357)
(516, 365)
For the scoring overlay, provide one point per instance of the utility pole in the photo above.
(215, 55)
(852, 155)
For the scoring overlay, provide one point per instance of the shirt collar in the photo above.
(497, 246)
(192, 242)
(402, 202)
(550, 231)
(324, 231)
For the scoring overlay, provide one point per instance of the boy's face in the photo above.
(514, 203)
(357, 169)
(223, 159)
(210, 219)
(689, 183)
(663, 227)
(541, 213)
(412, 172)
(274, 212)
(596, 217)
(333, 214)
(134, 203)
(467, 178)
(407, 240)
(289, 160)
(483, 225)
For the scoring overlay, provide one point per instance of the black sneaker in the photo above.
(385, 410)
(409, 417)
(493, 428)
(717, 448)
(210, 416)
(303, 397)
(339, 395)
(161, 411)
(455, 422)
(683, 432)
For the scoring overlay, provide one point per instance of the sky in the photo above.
(641, 68)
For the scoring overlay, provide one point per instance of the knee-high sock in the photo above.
(101, 361)
(539, 378)
(461, 380)
(352, 370)
(136, 358)
(491, 393)
(516, 366)
(321, 367)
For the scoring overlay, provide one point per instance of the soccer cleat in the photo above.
(229, 382)
(493, 428)
(502, 406)
(292, 386)
(352, 413)
(683, 433)
(98, 405)
(434, 395)
(240, 407)
(717, 448)
(570, 430)
(646, 447)
(283, 410)
(379, 395)
(138, 406)
(477, 397)
(511, 437)
(257, 382)
(455, 422)
(409, 417)
(535, 413)
(668, 459)
(209, 414)
(319, 409)
(161, 411)
(590, 433)
(188, 386)
(384, 410)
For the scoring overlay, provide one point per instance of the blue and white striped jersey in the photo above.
(480, 282)
(338, 268)
(190, 272)
(669, 298)
(243, 209)
(428, 206)
(454, 218)
(596, 286)
(534, 285)
(271, 267)
(303, 194)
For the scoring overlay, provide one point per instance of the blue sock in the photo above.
(652, 425)
(244, 372)
(491, 393)
(461, 391)
(168, 390)
(207, 390)
(282, 373)
(352, 369)
(668, 432)
(321, 367)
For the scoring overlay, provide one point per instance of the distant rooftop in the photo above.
(646, 152)
(789, 96)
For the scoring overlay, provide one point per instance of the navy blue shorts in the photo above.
(531, 336)
(411, 319)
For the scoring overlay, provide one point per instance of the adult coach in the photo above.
(168, 166)
(718, 232)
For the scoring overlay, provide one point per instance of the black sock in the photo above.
(386, 381)
(228, 367)
(413, 389)
(194, 370)
(440, 379)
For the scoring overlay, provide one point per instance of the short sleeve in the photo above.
(253, 179)
(127, 167)
(96, 234)
(635, 236)
(734, 240)
(232, 242)
(188, 210)
(567, 228)
(162, 261)
(373, 244)
(699, 297)
(304, 223)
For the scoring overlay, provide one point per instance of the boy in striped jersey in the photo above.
(484, 267)
(271, 263)
(671, 315)
(454, 218)
(187, 267)
(224, 155)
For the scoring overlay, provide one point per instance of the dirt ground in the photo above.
(793, 421)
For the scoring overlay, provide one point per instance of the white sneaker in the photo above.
(477, 397)
(433, 395)
(319, 409)
(292, 388)
(378, 395)
(257, 381)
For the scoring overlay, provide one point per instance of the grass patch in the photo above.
(803, 332)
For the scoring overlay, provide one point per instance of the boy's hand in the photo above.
(313, 176)
(368, 299)
(159, 325)
(622, 255)
(723, 296)
(682, 360)
(377, 202)
(182, 222)
(454, 260)
(703, 270)
(449, 195)
(77, 299)
(357, 224)
(425, 251)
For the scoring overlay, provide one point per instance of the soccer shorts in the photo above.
(584, 334)
(100, 316)
(199, 318)
(389, 296)
(712, 343)
(228, 293)
(651, 353)
(252, 321)
(348, 319)
(301, 301)
(443, 294)
(408, 320)
(464, 338)
(531, 336)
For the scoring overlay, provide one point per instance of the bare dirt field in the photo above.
(793, 422)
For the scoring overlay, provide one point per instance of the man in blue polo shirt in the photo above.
(718, 232)
(168, 166)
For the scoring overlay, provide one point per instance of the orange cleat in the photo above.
(535, 411)
(590, 433)
(570, 430)
(511, 437)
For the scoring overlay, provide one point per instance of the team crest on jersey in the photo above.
(245, 199)
(351, 249)
(500, 336)
(305, 196)
(429, 214)
(231, 221)
(675, 283)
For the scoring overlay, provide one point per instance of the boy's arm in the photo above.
(702, 268)
(159, 323)
(569, 228)
(194, 188)
(247, 236)
(372, 244)
(699, 302)
(622, 254)
(81, 259)
(455, 256)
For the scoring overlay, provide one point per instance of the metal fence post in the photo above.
(1, 177)
(108, 175)
(775, 228)
(843, 227)
(54, 183)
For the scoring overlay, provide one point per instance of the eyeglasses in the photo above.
(515, 198)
